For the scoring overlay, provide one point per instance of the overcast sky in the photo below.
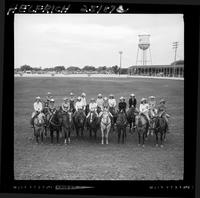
(48, 40)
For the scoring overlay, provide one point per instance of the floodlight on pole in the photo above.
(174, 46)
(120, 61)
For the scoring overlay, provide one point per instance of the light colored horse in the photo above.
(105, 126)
(39, 126)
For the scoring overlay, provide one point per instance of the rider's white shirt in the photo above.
(78, 105)
(100, 102)
(93, 106)
(144, 108)
(37, 106)
(112, 102)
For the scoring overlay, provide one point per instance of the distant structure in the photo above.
(143, 48)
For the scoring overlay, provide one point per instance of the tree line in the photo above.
(101, 69)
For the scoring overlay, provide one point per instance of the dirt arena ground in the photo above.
(87, 159)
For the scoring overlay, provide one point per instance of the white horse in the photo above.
(105, 125)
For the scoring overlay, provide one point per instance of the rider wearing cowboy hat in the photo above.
(132, 101)
(152, 105)
(100, 101)
(83, 100)
(52, 108)
(111, 101)
(122, 104)
(79, 106)
(72, 102)
(92, 107)
(48, 98)
(162, 112)
(37, 109)
(144, 109)
(65, 105)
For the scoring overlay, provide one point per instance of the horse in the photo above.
(79, 121)
(121, 124)
(55, 124)
(98, 110)
(160, 126)
(105, 126)
(131, 113)
(47, 116)
(92, 123)
(141, 127)
(114, 118)
(67, 125)
(87, 110)
(38, 127)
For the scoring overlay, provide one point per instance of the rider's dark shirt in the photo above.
(132, 102)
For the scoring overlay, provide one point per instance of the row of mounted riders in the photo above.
(106, 120)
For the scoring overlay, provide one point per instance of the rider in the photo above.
(100, 101)
(48, 98)
(122, 104)
(79, 106)
(162, 112)
(152, 105)
(83, 100)
(65, 105)
(52, 108)
(111, 101)
(38, 108)
(132, 101)
(144, 110)
(92, 107)
(72, 102)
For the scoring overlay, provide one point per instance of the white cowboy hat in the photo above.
(105, 98)
(121, 98)
(52, 100)
(132, 94)
(49, 93)
(71, 94)
(83, 94)
(99, 95)
(79, 98)
(143, 99)
(152, 97)
(92, 99)
(162, 101)
(38, 98)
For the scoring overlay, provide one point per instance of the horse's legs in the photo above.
(138, 139)
(102, 136)
(51, 134)
(107, 133)
(57, 133)
(156, 139)
(65, 135)
(42, 135)
(95, 134)
(119, 134)
(143, 138)
(161, 139)
(69, 133)
(90, 132)
(77, 132)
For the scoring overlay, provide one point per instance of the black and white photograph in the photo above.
(99, 97)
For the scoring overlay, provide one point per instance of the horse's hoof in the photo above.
(156, 145)
(143, 146)
(165, 140)
(161, 146)
(138, 144)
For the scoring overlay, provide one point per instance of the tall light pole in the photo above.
(120, 63)
(174, 46)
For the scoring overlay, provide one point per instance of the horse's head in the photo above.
(121, 118)
(40, 119)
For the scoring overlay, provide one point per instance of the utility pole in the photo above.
(174, 46)
(120, 63)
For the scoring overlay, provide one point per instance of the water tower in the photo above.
(143, 48)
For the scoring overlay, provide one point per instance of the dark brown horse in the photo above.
(93, 124)
(79, 122)
(131, 113)
(67, 125)
(160, 127)
(121, 123)
(55, 124)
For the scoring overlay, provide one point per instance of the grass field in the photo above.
(88, 159)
